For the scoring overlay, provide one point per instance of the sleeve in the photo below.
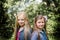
(34, 36)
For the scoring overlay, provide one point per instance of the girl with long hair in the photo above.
(22, 28)
(39, 29)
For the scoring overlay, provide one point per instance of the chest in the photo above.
(21, 35)
(43, 36)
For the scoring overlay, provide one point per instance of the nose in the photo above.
(41, 24)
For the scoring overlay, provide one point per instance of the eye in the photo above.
(22, 19)
(39, 22)
(43, 22)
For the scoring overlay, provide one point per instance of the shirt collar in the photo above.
(21, 29)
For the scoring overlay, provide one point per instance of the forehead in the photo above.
(21, 16)
(40, 20)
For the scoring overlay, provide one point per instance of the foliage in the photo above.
(5, 27)
(50, 8)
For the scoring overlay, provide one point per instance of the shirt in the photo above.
(42, 35)
(21, 35)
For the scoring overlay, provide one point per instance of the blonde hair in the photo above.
(26, 26)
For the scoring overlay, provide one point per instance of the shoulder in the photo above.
(35, 33)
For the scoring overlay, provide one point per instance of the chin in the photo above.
(40, 28)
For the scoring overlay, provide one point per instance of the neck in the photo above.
(21, 28)
(39, 30)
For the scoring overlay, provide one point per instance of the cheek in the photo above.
(43, 24)
(21, 22)
(37, 24)
(40, 24)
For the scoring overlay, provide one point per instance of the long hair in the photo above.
(26, 26)
(35, 28)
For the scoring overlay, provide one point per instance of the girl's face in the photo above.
(21, 20)
(40, 23)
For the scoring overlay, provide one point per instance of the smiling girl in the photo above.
(22, 27)
(39, 32)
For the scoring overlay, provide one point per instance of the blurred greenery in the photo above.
(9, 9)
